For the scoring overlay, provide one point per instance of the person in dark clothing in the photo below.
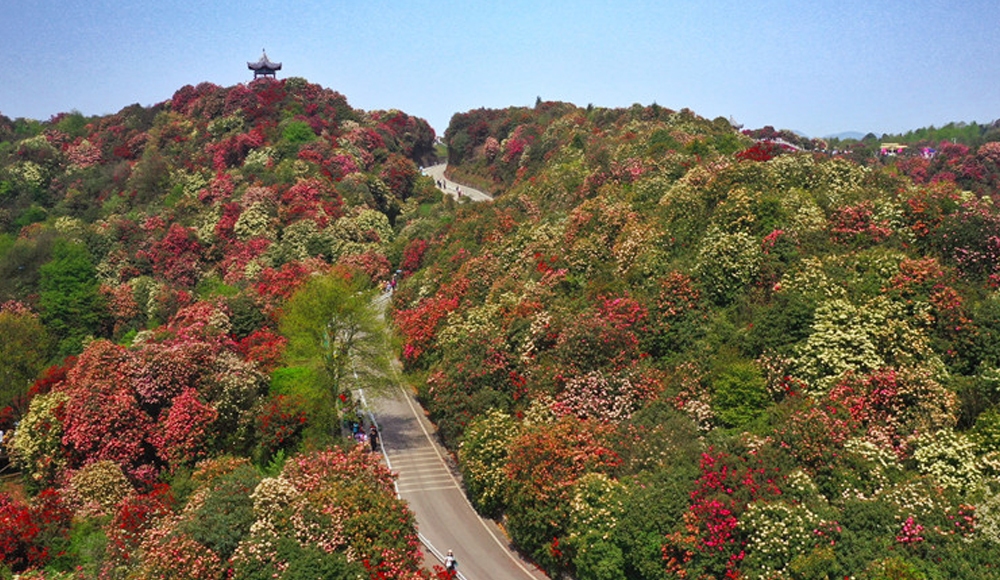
(373, 438)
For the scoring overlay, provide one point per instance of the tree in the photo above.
(24, 351)
(332, 326)
(71, 304)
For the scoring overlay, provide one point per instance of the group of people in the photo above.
(391, 284)
(358, 432)
(443, 186)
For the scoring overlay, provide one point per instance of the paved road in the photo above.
(436, 172)
(431, 484)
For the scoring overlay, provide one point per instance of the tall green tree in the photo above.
(334, 327)
(24, 352)
(72, 306)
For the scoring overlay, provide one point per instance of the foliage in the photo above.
(667, 348)
(483, 453)
(71, 306)
(331, 325)
(24, 352)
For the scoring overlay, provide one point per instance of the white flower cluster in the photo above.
(259, 158)
(231, 124)
(596, 507)
(950, 458)
(191, 183)
(70, 227)
(256, 221)
(36, 442)
(776, 532)
(727, 262)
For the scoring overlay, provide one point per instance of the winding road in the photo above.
(436, 172)
(429, 481)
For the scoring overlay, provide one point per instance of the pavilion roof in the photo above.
(264, 64)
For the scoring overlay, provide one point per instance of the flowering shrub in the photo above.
(36, 446)
(891, 406)
(322, 504)
(29, 534)
(97, 489)
(603, 397)
(727, 263)
(280, 424)
(177, 257)
(608, 336)
(776, 533)
(420, 324)
(545, 462)
(727, 488)
(185, 431)
(97, 406)
(858, 225)
(131, 519)
(264, 348)
(483, 455)
(413, 256)
(949, 458)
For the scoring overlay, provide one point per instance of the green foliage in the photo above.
(781, 323)
(31, 215)
(86, 552)
(333, 329)
(600, 560)
(297, 132)
(24, 351)
(868, 530)
(740, 394)
(211, 287)
(225, 515)
(72, 308)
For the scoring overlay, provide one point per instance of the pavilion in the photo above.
(264, 67)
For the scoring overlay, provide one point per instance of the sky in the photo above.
(818, 67)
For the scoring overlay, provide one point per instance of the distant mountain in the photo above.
(846, 135)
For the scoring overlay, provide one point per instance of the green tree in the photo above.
(333, 327)
(24, 351)
(72, 307)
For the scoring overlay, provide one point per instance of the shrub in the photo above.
(280, 424)
(224, 516)
(97, 489)
(740, 394)
(727, 264)
(483, 454)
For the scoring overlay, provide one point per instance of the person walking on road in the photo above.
(373, 438)
(450, 563)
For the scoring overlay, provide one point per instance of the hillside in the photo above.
(667, 351)
(159, 273)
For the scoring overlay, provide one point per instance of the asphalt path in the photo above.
(428, 480)
(436, 172)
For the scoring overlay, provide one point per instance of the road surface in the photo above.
(436, 172)
(429, 482)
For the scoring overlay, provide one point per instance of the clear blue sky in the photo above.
(815, 66)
